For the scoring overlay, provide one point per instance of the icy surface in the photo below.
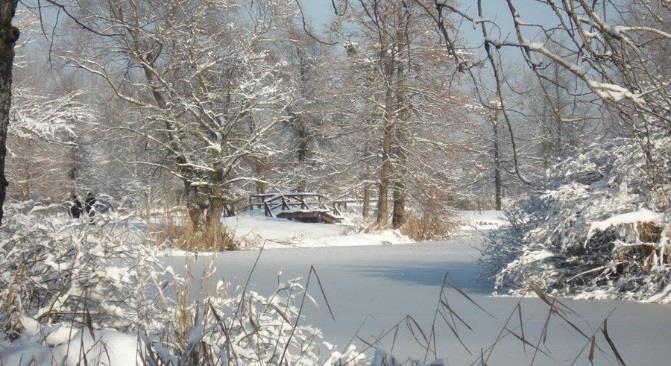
(378, 286)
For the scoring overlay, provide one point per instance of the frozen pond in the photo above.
(378, 285)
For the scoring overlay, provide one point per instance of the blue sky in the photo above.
(321, 11)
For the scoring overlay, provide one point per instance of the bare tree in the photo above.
(41, 139)
(417, 107)
(211, 91)
(609, 53)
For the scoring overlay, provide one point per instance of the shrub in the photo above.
(173, 229)
(433, 221)
(54, 268)
(594, 232)
(427, 227)
(64, 283)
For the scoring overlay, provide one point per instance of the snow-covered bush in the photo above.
(247, 329)
(54, 268)
(600, 229)
(71, 291)
(242, 327)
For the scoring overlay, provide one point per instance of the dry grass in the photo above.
(646, 254)
(175, 229)
(430, 225)
(209, 240)
(169, 226)
(649, 232)
(184, 320)
(432, 221)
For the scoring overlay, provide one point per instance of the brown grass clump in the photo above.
(184, 319)
(427, 227)
(209, 240)
(175, 229)
(644, 254)
(172, 226)
(433, 219)
(649, 232)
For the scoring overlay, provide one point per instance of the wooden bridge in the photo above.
(297, 206)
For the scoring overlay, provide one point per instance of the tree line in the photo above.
(204, 102)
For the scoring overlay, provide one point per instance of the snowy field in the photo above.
(271, 233)
(279, 233)
(275, 233)
(371, 288)
(475, 223)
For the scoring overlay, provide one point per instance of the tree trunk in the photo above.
(557, 108)
(366, 200)
(497, 174)
(386, 168)
(193, 206)
(261, 187)
(497, 163)
(8, 37)
(383, 191)
(398, 213)
(214, 212)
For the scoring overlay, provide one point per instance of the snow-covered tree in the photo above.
(595, 221)
(407, 103)
(42, 142)
(44, 124)
(209, 88)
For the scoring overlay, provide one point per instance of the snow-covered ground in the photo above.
(487, 219)
(474, 223)
(279, 233)
(255, 231)
(372, 288)
(272, 233)
(65, 345)
(281, 230)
